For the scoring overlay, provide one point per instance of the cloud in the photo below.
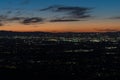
(64, 20)
(22, 20)
(3, 17)
(70, 11)
(108, 30)
(63, 13)
(16, 18)
(1, 24)
(118, 17)
(32, 20)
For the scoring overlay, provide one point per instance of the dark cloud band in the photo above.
(118, 17)
(32, 20)
(107, 30)
(70, 12)
(65, 14)
(64, 20)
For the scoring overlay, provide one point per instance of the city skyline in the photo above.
(60, 15)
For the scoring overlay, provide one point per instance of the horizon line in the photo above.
(57, 32)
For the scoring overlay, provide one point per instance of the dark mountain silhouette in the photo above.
(13, 33)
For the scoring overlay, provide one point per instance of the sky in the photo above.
(60, 15)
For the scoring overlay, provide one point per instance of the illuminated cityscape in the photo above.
(77, 55)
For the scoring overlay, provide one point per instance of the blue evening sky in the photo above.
(101, 8)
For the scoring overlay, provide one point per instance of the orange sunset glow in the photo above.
(88, 26)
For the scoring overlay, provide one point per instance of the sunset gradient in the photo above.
(104, 16)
